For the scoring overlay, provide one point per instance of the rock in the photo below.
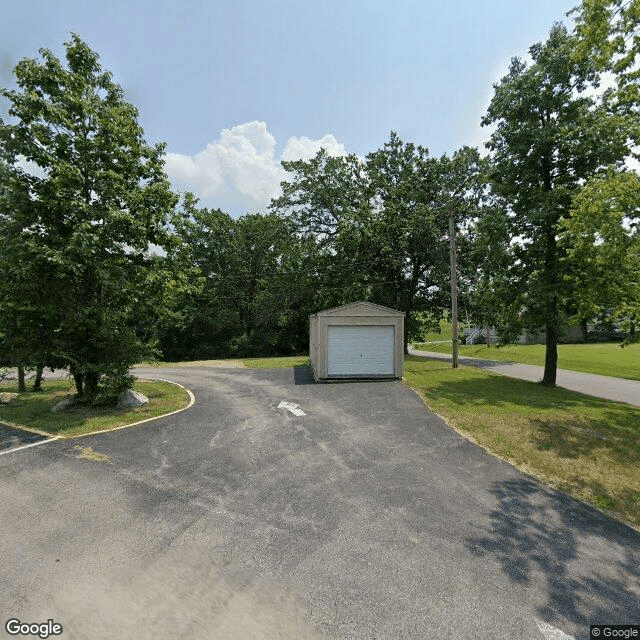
(7, 398)
(63, 404)
(130, 399)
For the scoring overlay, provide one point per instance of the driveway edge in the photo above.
(543, 482)
(192, 400)
(51, 438)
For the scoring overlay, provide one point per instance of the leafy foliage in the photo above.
(248, 296)
(546, 227)
(79, 227)
(551, 135)
(384, 240)
(603, 249)
(602, 233)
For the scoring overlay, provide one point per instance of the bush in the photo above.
(114, 380)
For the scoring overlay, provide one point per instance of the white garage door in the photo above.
(360, 350)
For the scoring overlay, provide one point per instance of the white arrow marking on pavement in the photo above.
(289, 406)
(550, 632)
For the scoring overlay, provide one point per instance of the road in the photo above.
(366, 517)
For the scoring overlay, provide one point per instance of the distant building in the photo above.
(568, 334)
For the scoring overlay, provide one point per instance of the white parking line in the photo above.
(550, 632)
(33, 444)
(192, 400)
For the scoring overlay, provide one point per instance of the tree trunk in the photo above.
(90, 386)
(22, 387)
(551, 354)
(37, 381)
(78, 379)
(632, 331)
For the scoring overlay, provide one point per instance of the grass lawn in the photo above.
(275, 363)
(604, 358)
(444, 335)
(160, 364)
(278, 362)
(33, 410)
(585, 446)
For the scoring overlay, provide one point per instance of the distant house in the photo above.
(568, 333)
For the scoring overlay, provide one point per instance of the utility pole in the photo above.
(454, 290)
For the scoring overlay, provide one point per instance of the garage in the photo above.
(359, 340)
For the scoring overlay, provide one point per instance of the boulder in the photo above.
(63, 404)
(7, 398)
(130, 399)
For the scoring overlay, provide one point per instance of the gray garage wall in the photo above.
(356, 314)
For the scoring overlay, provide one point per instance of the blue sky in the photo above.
(235, 86)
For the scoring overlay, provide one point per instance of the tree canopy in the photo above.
(84, 200)
(601, 234)
(103, 266)
(552, 134)
(384, 238)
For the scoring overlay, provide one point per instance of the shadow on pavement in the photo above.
(302, 374)
(484, 364)
(11, 438)
(538, 533)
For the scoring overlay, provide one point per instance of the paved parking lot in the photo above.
(366, 517)
(12, 438)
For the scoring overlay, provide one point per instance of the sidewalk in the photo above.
(617, 389)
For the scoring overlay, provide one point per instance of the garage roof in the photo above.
(360, 308)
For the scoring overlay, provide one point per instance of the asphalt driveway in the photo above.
(367, 517)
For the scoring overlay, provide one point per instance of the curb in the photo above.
(50, 438)
(192, 400)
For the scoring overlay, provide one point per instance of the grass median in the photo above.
(605, 358)
(585, 446)
(33, 409)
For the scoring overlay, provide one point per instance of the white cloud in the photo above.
(305, 148)
(240, 172)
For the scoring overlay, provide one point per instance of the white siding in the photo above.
(361, 350)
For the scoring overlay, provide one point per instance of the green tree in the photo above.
(82, 225)
(327, 200)
(489, 267)
(551, 135)
(406, 239)
(378, 228)
(251, 298)
(204, 324)
(601, 234)
(603, 248)
(20, 322)
(608, 35)
(322, 192)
